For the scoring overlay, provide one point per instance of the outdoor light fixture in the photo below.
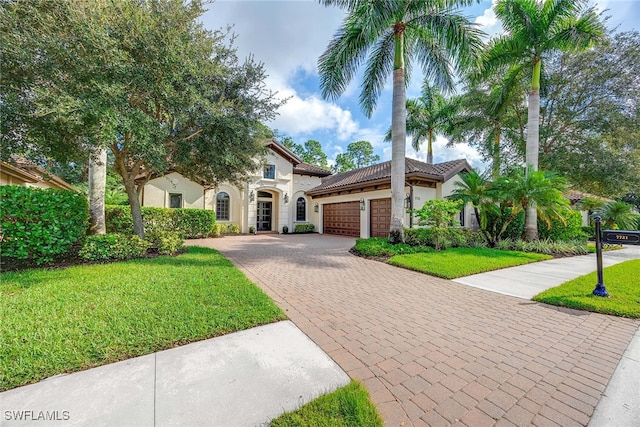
(251, 196)
(286, 198)
(407, 202)
(316, 208)
(362, 205)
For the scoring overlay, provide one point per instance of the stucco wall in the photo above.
(156, 192)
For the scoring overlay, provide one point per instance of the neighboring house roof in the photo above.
(575, 196)
(30, 172)
(380, 173)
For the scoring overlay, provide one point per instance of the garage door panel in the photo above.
(342, 218)
(380, 217)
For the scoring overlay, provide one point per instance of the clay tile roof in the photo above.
(308, 169)
(575, 196)
(34, 173)
(382, 171)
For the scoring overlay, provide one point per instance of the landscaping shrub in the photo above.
(113, 246)
(380, 246)
(38, 225)
(590, 231)
(563, 232)
(546, 246)
(447, 237)
(192, 223)
(165, 242)
(304, 228)
(225, 228)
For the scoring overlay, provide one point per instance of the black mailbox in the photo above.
(621, 237)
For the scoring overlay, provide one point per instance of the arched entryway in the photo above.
(266, 211)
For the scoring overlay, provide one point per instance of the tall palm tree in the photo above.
(390, 35)
(427, 116)
(534, 28)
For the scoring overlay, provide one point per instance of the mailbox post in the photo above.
(600, 290)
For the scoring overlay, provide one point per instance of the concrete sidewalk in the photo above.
(620, 404)
(528, 280)
(242, 379)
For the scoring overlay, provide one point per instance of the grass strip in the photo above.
(65, 320)
(348, 406)
(621, 281)
(459, 262)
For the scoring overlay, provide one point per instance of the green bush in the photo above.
(222, 228)
(547, 246)
(563, 232)
(113, 246)
(590, 231)
(380, 246)
(165, 242)
(514, 230)
(192, 223)
(304, 228)
(447, 237)
(37, 225)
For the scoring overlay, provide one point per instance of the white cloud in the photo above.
(488, 21)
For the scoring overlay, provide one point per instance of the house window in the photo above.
(301, 209)
(269, 172)
(175, 200)
(222, 207)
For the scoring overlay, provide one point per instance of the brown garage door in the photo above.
(341, 218)
(380, 218)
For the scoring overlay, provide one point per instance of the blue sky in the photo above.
(289, 36)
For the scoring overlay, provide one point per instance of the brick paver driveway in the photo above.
(431, 351)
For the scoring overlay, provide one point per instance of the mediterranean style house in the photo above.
(289, 191)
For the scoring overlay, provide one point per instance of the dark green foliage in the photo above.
(304, 228)
(589, 231)
(113, 246)
(165, 242)
(451, 237)
(38, 225)
(380, 247)
(494, 224)
(560, 231)
(192, 223)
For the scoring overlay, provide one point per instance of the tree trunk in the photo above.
(398, 142)
(430, 147)
(97, 185)
(533, 123)
(497, 160)
(134, 203)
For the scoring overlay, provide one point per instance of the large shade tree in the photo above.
(144, 80)
(390, 36)
(534, 28)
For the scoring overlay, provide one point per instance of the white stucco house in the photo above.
(289, 191)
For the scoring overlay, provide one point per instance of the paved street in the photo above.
(432, 351)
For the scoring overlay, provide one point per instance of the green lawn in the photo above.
(55, 321)
(349, 406)
(621, 281)
(459, 262)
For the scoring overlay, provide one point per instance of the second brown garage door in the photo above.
(341, 218)
(380, 218)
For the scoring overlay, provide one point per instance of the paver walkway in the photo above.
(431, 351)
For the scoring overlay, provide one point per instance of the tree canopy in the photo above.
(359, 154)
(311, 152)
(143, 79)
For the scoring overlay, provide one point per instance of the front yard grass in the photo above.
(348, 406)
(459, 262)
(57, 321)
(621, 281)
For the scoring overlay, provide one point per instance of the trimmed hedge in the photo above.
(113, 246)
(304, 228)
(165, 242)
(191, 223)
(38, 225)
(449, 237)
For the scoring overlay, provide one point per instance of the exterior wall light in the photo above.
(286, 198)
(316, 208)
(251, 196)
(362, 205)
(407, 202)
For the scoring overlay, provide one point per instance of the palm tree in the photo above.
(525, 188)
(390, 35)
(617, 215)
(534, 28)
(97, 186)
(473, 188)
(427, 116)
